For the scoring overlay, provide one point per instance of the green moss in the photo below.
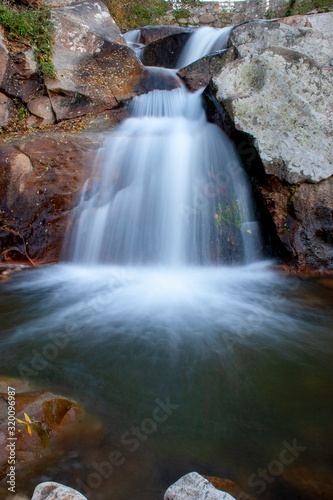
(35, 28)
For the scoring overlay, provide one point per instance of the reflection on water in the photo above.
(243, 354)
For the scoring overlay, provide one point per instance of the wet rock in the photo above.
(41, 179)
(166, 51)
(303, 220)
(94, 67)
(307, 485)
(7, 110)
(56, 491)
(198, 74)
(150, 34)
(229, 487)
(278, 91)
(50, 416)
(192, 486)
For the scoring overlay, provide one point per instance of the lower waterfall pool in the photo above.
(226, 371)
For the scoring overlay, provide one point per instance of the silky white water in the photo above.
(204, 40)
(156, 199)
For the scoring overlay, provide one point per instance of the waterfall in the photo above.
(204, 40)
(171, 189)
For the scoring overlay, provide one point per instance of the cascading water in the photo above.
(172, 189)
(204, 40)
(242, 354)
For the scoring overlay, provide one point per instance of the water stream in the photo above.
(149, 309)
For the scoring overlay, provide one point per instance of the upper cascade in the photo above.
(205, 40)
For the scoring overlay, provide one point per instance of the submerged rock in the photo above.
(229, 487)
(278, 90)
(192, 486)
(306, 484)
(50, 416)
(55, 491)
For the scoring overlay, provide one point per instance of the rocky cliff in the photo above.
(277, 88)
(272, 90)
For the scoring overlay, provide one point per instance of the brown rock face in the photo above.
(41, 179)
(21, 79)
(7, 110)
(303, 217)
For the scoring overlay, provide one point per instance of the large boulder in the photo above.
(278, 89)
(192, 486)
(55, 491)
(95, 69)
(165, 52)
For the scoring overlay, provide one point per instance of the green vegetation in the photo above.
(182, 14)
(133, 13)
(21, 111)
(35, 28)
(231, 215)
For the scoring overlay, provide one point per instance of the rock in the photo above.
(303, 220)
(21, 78)
(297, 110)
(7, 110)
(192, 486)
(200, 72)
(51, 416)
(166, 51)
(94, 67)
(229, 487)
(40, 182)
(278, 91)
(307, 485)
(3, 57)
(206, 18)
(150, 34)
(41, 107)
(56, 491)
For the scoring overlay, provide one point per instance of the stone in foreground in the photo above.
(192, 486)
(55, 491)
